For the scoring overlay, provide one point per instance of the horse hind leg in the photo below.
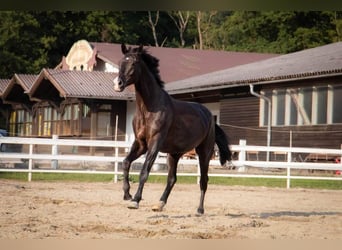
(172, 161)
(204, 155)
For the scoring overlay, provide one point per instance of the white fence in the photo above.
(243, 151)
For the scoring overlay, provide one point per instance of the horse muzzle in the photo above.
(119, 86)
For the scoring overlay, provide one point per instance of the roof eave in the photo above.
(123, 98)
(246, 82)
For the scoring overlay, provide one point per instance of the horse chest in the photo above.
(149, 125)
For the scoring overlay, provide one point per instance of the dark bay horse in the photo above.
(164, 124)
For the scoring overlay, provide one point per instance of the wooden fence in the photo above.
(55, 158)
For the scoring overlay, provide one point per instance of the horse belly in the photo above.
(181, 140)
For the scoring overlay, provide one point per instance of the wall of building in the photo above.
(240, 118)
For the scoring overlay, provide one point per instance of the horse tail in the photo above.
(221, 141)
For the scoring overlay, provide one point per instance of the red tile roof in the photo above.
(25, 81)
(80, 84)
(3, 85)
(181, 63)
(311, 63)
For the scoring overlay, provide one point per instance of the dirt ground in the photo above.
(72, 210)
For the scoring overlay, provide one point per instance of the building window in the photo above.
(104, 127)
(51, 122)
(48, 121)
(291, 116)
(278, 108)
(20, 123)
(337, 104)
(86, 111)
(320, 105)
(70, 120)
(66, 121)
(264, 108)
(303, 106)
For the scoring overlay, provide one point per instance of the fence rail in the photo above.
(241, 163)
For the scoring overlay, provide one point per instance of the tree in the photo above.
(153, 25)
(203, 26)
(338, 25)
(31, 40)
(181, 20)
(19, 44)
(274, 31)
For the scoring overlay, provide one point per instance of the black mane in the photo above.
(153, 65)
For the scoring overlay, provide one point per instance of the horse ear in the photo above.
(124, 49)
(140, 49)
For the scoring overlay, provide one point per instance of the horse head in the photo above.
(128, 67)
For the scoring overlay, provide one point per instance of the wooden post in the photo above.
(289, 159)
(288, 172)
(30, 162)
(116, 150)
(54, 151)
(242, 154)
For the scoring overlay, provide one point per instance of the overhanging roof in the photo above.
(181, 63)
(3, 85)
(317, 62)
(57, 84)
(17, 89)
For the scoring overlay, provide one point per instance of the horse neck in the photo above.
(148, 92)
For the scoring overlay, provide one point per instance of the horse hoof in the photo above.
(133, 205)
(158, 207)
(200, 211)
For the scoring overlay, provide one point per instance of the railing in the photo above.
(54, 157)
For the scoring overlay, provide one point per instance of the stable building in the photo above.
(77, 99)
(296, 98)
(282, 100)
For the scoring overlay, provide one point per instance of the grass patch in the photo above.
(229, 181)
(13, 176)
(58, 177)
(163, 179)
(317, 184)
(256, 182)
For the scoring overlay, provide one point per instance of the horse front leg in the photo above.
(145, 171)
(136, 151)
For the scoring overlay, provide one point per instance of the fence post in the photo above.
(116, 150)
(54, 151)
(116, 168)
(30, 162)
(242, 154)
(288, 171)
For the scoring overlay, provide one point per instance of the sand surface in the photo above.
(73, 210)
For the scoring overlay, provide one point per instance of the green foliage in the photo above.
(17, 38)
(275, 31)
(31, 40)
